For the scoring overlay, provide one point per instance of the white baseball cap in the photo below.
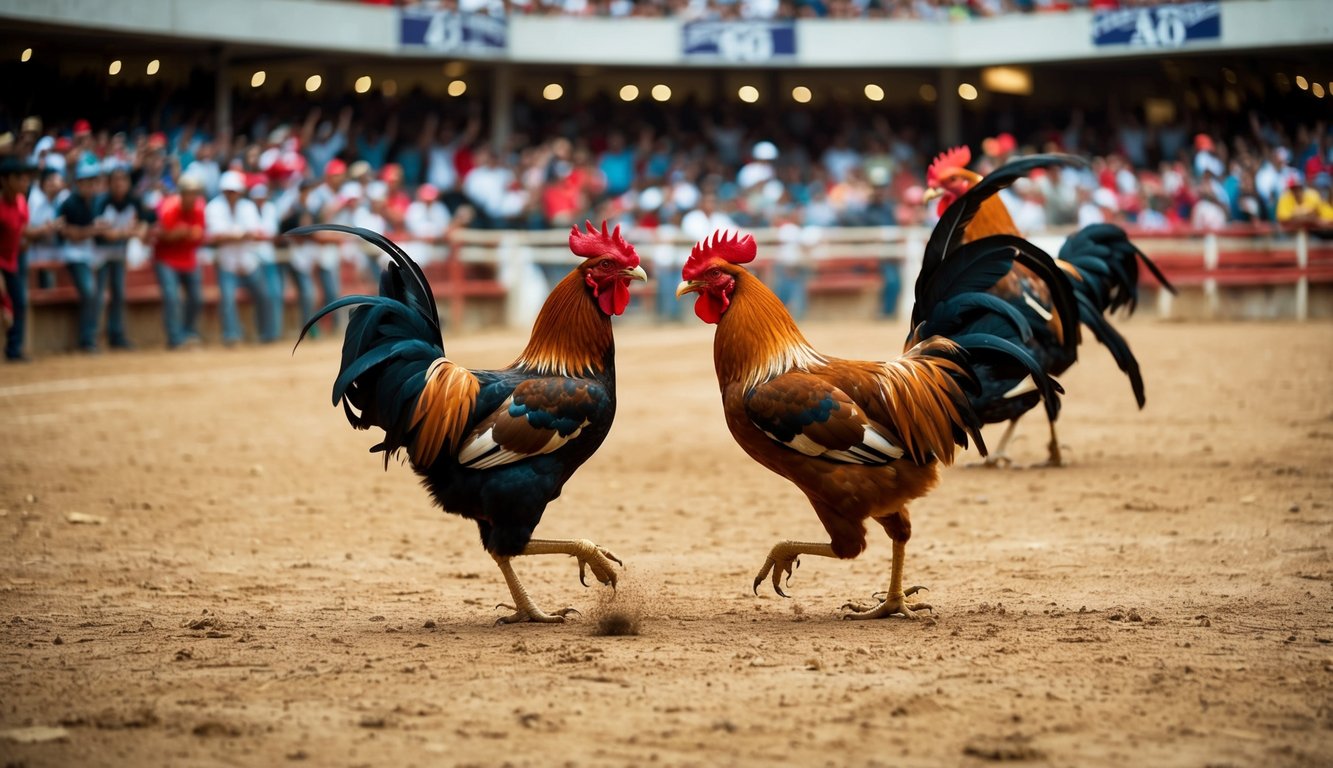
(232, 181)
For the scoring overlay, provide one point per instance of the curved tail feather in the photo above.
(389, 349)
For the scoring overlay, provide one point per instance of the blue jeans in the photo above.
(668, 306)
(276, 304)
(112, 275)
(182, 324)
(305, 291)
(330, 285)
(253, 282)
(89, 304)
(16, 286)
(792, 289)
(893, 284)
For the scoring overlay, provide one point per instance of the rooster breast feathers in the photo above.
(856, 412)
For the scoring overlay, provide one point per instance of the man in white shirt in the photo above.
(231, 227)
(269, 218)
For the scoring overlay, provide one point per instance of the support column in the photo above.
(222, 92)
(948, 108)
(502, 105)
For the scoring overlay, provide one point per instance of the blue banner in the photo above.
(449, 32)
(740, 41)
(1163, 26)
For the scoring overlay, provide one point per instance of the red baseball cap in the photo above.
(428, 193)
(82, 127)
(391, 171)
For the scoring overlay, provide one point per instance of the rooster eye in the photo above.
(714, 273)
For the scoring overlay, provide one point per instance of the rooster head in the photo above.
(948, 177)
(609, 265)
(711, 272)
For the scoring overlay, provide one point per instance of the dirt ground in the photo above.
(204, 566)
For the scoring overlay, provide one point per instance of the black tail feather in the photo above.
(388, 348)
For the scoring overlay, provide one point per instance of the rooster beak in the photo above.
(930, 194)
(688, 286)
(636, 274)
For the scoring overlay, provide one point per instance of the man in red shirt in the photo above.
(15, 178)
(180, 232)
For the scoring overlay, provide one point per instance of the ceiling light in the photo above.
(153, 67)
(257, 79)
(114, 69)
(661, 92)
(927, 92)
(801, 95)
(26, 55)
(1015, 80)
(313, 83)
(748, 94)
(363, 84)
(553, 91)
(967, 91)
(629, 92)
(457, 88)
(874, 92)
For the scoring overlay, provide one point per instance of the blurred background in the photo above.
(478, 132)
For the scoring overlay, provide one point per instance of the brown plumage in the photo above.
(861, 439)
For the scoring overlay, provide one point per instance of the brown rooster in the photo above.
(1100, 266)
(861, 439)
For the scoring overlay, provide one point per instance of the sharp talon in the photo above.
(757, 582)
(505, 606)
(779, 590)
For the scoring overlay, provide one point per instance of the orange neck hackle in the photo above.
(571, 335)
(757, 338)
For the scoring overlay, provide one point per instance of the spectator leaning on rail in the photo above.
(15, 178)
(179, 233)
(231, 226)
(78, 230)
(264, 235)
(124, 219)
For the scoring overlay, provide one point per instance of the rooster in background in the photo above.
(1102, 268)
(493, 446)
(862, 439)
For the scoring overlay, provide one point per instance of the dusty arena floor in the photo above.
(204, 566)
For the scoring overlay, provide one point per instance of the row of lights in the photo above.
(660, 92)
(1316, 89)
(749, 94)
(113, 69)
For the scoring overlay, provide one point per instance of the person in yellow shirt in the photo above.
(1298, 205)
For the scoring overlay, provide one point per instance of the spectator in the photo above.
(15, 178)
(1299, 205)
(303, 252)
(264, 235)
(487, 186)
(179, 233)
(124, 219)
(231, 225)
(79, 229)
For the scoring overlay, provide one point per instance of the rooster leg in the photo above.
(523, 607)
(1053, 450)
(589, 556)
(895, 600)
(999, 457)
(785, 557)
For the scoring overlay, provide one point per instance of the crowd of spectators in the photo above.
(732, 10)
(101, 198)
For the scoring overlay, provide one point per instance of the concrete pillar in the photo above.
(222, 92)
(502, 105)
(948, 108)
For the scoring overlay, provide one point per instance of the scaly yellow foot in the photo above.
(895, 606)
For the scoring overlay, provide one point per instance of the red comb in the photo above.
(735, 249)
(594, 243)
(958, 157)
